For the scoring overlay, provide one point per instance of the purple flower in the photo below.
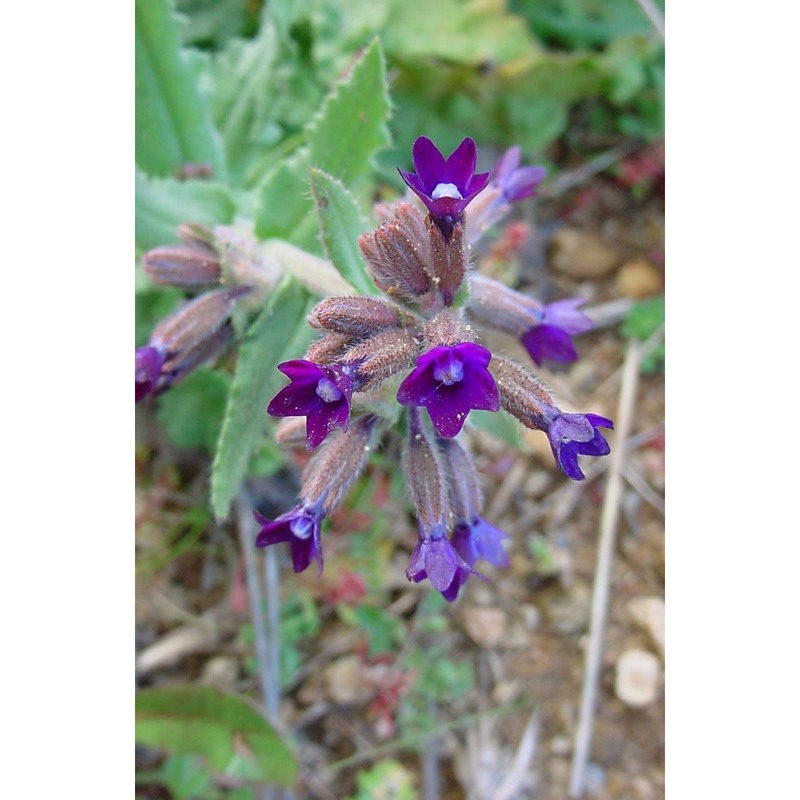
(515, 182)
(437, 560)
(301, 528)
(552, 338)
(573, 435)
(450, 381)
(478, 539)
(446, 186)
(320, 394)
(149, 361)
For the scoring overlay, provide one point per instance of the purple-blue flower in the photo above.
(436, 559)
(573, 435)
(149, 361)
(552, 338)
(449, 381)
(515, 182)
(477, 539)
(446, 186)
(301, 528)
(321, 394)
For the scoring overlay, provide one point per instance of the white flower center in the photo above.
(327, 391)
(446, 190)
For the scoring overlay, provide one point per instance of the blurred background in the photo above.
(381, 688)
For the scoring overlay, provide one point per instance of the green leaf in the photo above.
(272, 338)
(191, 412)
(341, 224)
(185, 777)
(222, 727)
(164, 203)
(341, 140)
(173, 124)
(351, 126)
(241, 93)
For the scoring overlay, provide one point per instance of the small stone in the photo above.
(485, 626)
(579, 254)
(648, 613)
(636, 681)
(639, 279)
(343, 679)
(220, 671)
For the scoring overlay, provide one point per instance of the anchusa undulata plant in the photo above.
(410, 362)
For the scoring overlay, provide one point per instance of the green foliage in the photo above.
(255, 381)
(227, 731)
(387, 780)
(191, 412)
(185, 777)
(502, 426)
(340, 140)
(173, 124)
(163, 203)
(341, 223)
(642, 321)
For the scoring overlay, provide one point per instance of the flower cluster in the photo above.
(417, 347)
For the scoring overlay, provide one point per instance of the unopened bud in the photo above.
(448, 259)
(382, 355)
(493, 304)
(338, 463)
(446, 329)
(522, 395)
(357, 316)
(194, 234)
(185, 361)
(291, 432)
(329, 348)
(466, 495)
(188, 266)
(425, 478)
(196, 321)
(398, 254)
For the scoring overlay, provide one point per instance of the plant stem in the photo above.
(608, 528)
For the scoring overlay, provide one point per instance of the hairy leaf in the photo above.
(270, 340)
(341, 224)
(173, 124)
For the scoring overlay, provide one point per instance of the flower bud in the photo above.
(398, 254)
(493, 304)
(329, 348)
(357, 316)
(194, 234)
(521, 395)
(291, 432)
(448, 259)
(381, 356)
(186, 266)
(335, 466)
(446, 329)
(425, 478)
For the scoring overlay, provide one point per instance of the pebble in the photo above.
(485, 626)
(638, 279)
(636, 682)
(648, 613)
(343, 680)
(220, 671)
(579, 254)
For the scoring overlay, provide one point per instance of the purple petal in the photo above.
(572, 435)
(477, 183)
(523, 183)
(564, 314)
(460, 166)
(506, 166)
(149, 361)
(429, 163)
(551, 342)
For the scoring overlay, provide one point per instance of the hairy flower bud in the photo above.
(335, 466)
(329, 348)
(492, 303)
(381, 356)
(186, 266)
(357, 316)
(447, 329)
(520, 393)
(398, 254)
(291, 432)
(194, 234)
(448, 259)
